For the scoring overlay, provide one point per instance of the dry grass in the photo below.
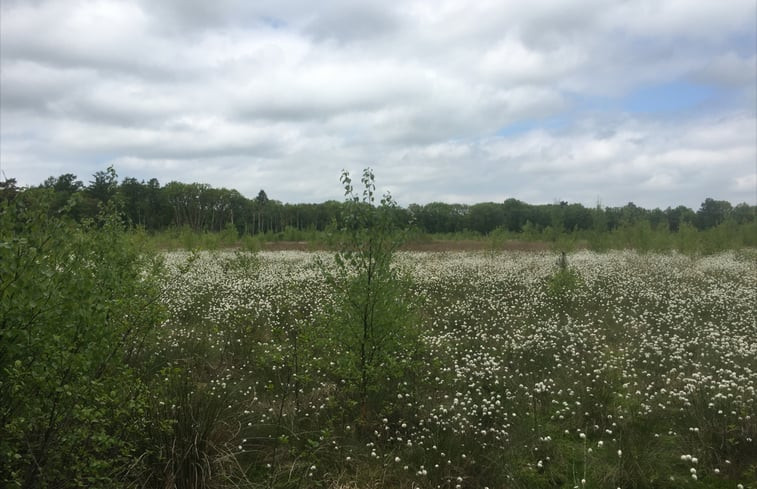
(434, 246)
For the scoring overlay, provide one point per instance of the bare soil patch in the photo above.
(431, 246)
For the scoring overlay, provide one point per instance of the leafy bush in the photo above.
(565, 280)
(371, 321)
(77, 306)
(563, 285)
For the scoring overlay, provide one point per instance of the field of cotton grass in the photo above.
(613, 370)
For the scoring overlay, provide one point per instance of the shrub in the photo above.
(371, 322)
(562, 285)
(77, 304)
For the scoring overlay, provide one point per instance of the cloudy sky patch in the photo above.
(652, 101)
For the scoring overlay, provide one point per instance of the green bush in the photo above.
(77, 305)
(371, 323)
(563, 285)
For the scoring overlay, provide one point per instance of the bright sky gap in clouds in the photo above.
(611, 101)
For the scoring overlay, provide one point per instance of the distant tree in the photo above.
(330, 213)
(134, 197)
(657, 218)
(235, 207)
(516, 213)
(631, 213)
(8, 189)
(599, 219)
(744, 213)
(104, 185)
(214, 203)
(612, 217)
(261, 206)
(262, 198)
(436, 217)
(541, 216)
(204, 208)
(65, 183)
(712, 212)
(576, 217)
(678, 216)
(486, 217)
(158, 214)
(190, 205)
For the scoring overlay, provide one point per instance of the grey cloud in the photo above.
(112, 40)
(188, 16)
(346, 21)
(730, 69)
(33, 87)
(285, 94)
(339, 20)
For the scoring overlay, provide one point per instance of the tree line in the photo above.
(203, 208)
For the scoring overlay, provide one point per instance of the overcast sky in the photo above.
(609, 101)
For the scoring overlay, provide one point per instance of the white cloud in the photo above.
(277, 95)
(746, 183)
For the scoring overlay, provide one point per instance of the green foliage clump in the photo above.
(187, 439)
(77, 308)
(565, 280)
(371, 323)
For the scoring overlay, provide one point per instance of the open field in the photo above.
(621, 370)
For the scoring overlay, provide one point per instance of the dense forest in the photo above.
(202, 208)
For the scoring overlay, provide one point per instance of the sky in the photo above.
(590, 101)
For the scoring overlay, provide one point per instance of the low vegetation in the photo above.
(625, 370)
(370, 367)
